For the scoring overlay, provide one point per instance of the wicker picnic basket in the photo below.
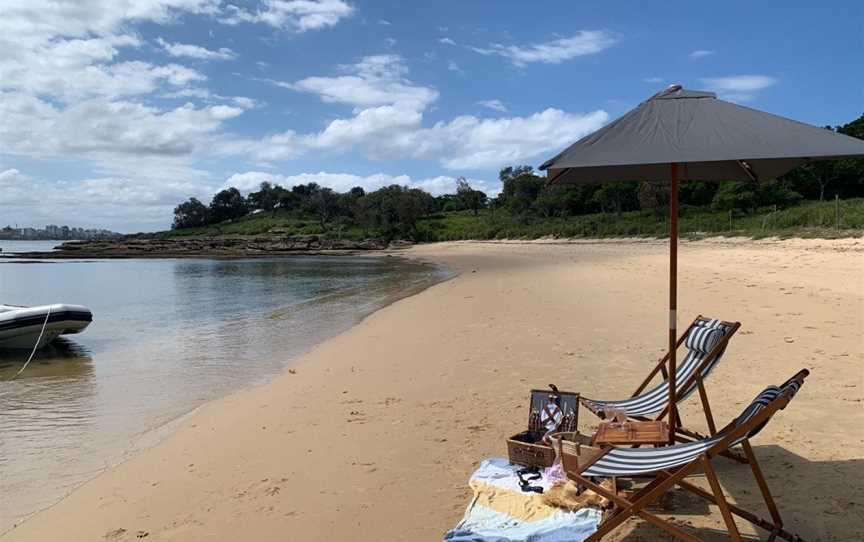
(527, 447)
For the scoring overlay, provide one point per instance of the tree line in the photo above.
(389, 211)
(394, 211)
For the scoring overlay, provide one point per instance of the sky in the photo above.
(113, 112)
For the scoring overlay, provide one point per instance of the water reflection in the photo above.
(62, 358)
(46, 423)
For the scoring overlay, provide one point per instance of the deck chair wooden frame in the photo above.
(665, 479)
(683, 434)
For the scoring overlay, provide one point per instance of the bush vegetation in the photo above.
(526, 208)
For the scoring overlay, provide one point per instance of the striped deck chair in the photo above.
(670, 465)
(705, 341)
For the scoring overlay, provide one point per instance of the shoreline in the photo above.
(270, 246)
(154, 435)
(496, 318)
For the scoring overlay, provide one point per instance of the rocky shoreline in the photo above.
(211, 247)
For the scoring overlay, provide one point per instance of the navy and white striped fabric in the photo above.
(704, 335)
(632, 461)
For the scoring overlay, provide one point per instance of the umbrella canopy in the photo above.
(712, 140)
(681, 134)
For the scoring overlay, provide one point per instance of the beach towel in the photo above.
(501, 512)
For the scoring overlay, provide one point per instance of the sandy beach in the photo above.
(373, 434)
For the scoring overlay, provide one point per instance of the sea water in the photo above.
(167, 335)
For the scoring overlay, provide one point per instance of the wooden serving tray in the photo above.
(650, 432)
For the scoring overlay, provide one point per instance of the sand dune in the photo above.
(374, 435)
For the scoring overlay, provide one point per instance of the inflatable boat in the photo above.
(21, 326)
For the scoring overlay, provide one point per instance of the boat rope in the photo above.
(35, 346)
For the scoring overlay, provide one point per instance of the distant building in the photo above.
(54, 232)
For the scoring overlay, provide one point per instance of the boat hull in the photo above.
(20, 326)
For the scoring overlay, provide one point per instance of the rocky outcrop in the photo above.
(271, 244)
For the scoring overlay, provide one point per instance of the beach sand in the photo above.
(375, 432)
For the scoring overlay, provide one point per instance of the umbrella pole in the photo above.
(673, 294)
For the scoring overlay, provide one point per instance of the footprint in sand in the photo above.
(115, 534)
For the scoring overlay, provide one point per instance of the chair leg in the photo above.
(763, 485)
(734, 535)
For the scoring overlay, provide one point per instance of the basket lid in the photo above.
(552, 404)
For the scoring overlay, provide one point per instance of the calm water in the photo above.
(27, 246)
(167, 335)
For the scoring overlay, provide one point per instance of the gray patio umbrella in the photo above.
(685, 135)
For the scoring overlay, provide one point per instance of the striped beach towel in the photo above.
(501, 512)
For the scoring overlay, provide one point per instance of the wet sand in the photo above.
(374, 433)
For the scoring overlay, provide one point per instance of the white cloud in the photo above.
(454, 67)
(342, 182)
(388, 124)
(653, 80)
(29, 21)
(446, 41)
(98, 202)
(375, 80)
(102, 130)
(381, 132)
(297, 15)
(467, 142)
(194, 51)
(701, 53)
(384, 22)
(203, 94)
(495, 105)
(740, 88)
(80, 68)
(584, 42)
(68, 91)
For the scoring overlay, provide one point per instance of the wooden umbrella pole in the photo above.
(673, 293)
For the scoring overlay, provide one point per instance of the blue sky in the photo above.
(114, 112)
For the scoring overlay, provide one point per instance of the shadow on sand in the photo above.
(818, 500)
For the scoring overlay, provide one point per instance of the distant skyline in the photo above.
(114, 112)
(52, 232)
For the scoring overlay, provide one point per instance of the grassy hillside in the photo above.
(810, 219)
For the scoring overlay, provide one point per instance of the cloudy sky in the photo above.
(112, 112)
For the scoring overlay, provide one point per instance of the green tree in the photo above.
(653, 196)
(288, 200)
(617, 197)
(470, 198)
(227, 205)
(778, 194)
(393, 210)
(266, 198)
(324, 202)
(520, 188)
(190, 214)
(696, 193)
(736, 196)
